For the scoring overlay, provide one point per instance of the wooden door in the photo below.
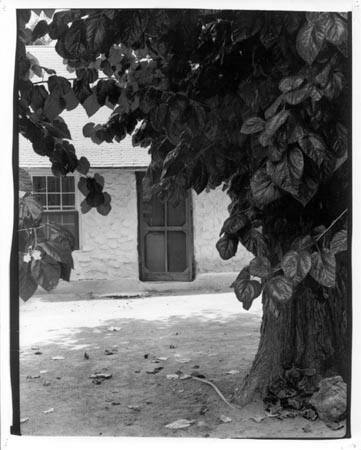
(165, 238)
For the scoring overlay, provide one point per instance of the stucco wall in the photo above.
(209, 213)
(108, 244)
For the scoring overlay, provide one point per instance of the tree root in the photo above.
(202, 380)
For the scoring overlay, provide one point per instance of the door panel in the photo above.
(154, 246)
(165, 238)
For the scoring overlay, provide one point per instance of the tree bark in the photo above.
(310, 333)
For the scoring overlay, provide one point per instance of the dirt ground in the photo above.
(208, 334)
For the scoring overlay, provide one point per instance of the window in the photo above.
(57, 195)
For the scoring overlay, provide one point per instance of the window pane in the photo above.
(154, 251)
(68, 184)
(176, 215)
(69, 220)
(41, 198)
(68, 201)
(154, 212)
(54, 201)
(53, 184)
(39, 184)
(177, 251)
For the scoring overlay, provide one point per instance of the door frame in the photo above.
(144, 274)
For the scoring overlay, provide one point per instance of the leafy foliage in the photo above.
(44, 258)
(256, 101)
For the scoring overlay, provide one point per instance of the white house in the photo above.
(136, 240)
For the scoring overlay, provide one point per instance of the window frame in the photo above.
(45, 172)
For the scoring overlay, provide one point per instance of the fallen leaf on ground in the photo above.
(225, 419)
(232, 372)
(46, 383)
(172, 346)
(334, 425)
(115, 403)
(48, 411)
(185, 376)
(43, 371)
(307, 428)
(38, 353)
(110, 352)
(134, 407)
(162, 358)
(57, 358)
(197, 374)
(86, 355)
(31, 377)
(183, 361)
(257, 419)
(24, 419)
(154, 371)
(172, 376)
(146, 356)
(203, 410)
(180, 423)
(113, 328)
(101, 375)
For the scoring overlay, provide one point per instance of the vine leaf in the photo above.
(323, 268)
(46, 272)
(279, 289)
(309, 41)
(227, 247)
(27, 284)
(260, 266)
(339, 242)
(290, 83)
(263, 189)
(253, 125)
(296, 265)
(234, 223)
(246, 291)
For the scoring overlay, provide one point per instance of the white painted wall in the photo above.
(108, 244)
(209, 213)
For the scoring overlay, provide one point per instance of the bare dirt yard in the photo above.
(145, 348)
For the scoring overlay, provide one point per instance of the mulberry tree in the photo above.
(258, 102)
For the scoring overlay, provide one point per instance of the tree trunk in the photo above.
(309, 333)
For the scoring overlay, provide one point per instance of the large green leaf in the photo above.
(296, 265)
(227, 247)
(27, 284)
(279, 289)
(264, 191)
(46, 272)
(323, 268)
(314, 147)
(287, 172)
(53, 106)
(59, 250)
(310, 39)
(260, 266)
(234, 223)
(339, 242)
(253, 125)
(337, 31)
(246, 291)
(290, 83)
(30, 207)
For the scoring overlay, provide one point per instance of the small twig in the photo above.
(202, 380)
(332, 224)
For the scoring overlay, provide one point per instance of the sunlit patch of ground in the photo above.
(209, 334)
